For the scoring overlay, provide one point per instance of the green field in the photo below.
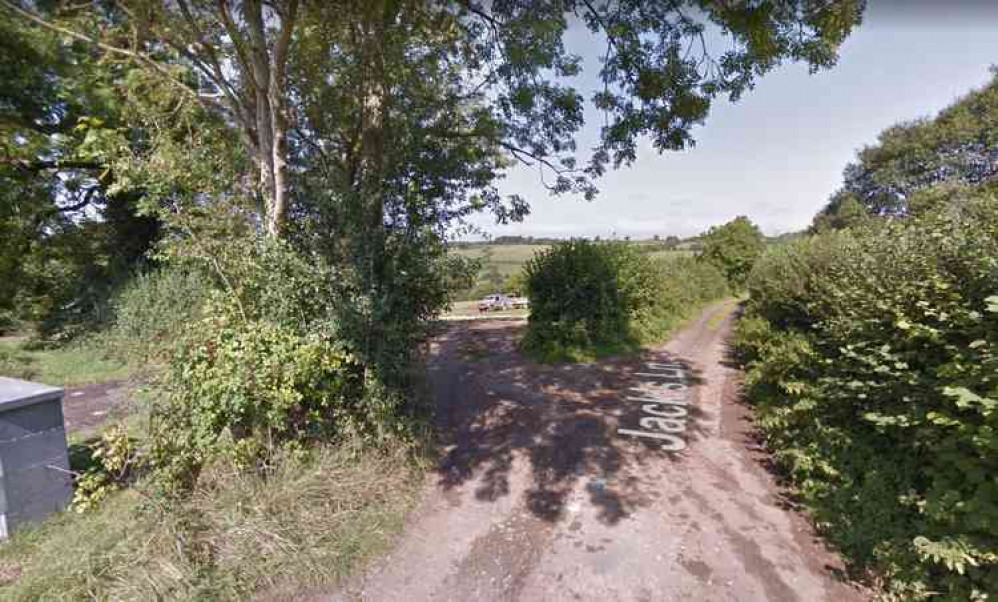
(510, 259)
(670, 254)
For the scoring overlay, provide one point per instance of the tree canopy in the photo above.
(509, 74)
(955, 148)
(733, 248)
(363, 131)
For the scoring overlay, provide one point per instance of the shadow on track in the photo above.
(494, 405)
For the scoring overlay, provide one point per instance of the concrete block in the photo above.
(34, 463)
(25, 420)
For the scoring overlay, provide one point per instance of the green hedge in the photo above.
(870, 356)
(589, 299)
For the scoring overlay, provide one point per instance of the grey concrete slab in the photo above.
(15, 393)
(26, 420)
(34, 464)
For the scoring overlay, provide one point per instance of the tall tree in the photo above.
(659, 72)
(734, 248)
(957, 147)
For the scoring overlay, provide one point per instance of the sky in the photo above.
(778, 153)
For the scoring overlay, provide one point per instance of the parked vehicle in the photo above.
(502, 302)
(495, 303)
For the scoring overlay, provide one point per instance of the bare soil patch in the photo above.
(88, 407)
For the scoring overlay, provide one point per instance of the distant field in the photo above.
(671, 254)
(509, 259)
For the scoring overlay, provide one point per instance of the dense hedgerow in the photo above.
(591, 298)
(870, 356)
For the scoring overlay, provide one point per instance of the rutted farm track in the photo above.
(537, 496)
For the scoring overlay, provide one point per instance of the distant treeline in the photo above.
(691, 242)
(541, 240)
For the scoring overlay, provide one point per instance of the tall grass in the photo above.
(306, 524)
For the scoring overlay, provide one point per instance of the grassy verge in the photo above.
(715, 321)
(307, 525)
(65, 366)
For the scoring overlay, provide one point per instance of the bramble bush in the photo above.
(589, 299)
(241, 389)
(870, 357)
(265, 366)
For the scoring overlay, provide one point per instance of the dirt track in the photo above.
(537, 497)
(88, 407)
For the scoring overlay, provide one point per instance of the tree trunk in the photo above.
(266, 75)
(279, 122)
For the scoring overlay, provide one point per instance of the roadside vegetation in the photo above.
(305, 523)
(254, 204)
(592, 299)
(870, 356)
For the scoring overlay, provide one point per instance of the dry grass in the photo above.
(306, 526)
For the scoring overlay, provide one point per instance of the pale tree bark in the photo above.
(279, 121)
(265, 65)
(251, 74)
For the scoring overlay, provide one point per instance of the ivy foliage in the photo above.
(871, 358)
(589, 298)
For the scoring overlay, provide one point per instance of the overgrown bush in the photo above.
(239, 389)
(151, 311)
(8, 323)
(275, 458)
(870, 356)
(591, 299)
(733, 248)
(264, 367)
(14, 364)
